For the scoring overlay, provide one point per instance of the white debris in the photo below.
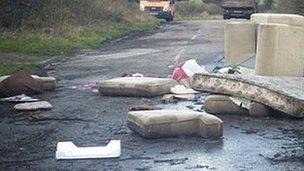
(181, 89)
(41, 105)
(191, 67)
(19, 98)
(67, 150)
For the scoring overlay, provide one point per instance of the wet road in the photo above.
(89, 119)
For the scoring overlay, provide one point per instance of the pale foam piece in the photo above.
(136, 86)
(181, 89)
(172, 123)
(288, 19)
(280, 50)
(240, 42)
(41, 105)
(68, 150)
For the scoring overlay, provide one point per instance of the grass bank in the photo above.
(35, 31)
(86, 38)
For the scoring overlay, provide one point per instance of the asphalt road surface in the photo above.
(90, 119)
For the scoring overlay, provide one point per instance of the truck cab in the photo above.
(239, 8)
(160, 8)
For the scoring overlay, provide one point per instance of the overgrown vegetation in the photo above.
(8, 68)
(52, 27)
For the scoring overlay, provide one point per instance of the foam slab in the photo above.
(172, 123)
(136, 86)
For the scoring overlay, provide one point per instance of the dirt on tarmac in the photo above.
(89, 119)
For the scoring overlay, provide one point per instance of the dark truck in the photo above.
(239, 8)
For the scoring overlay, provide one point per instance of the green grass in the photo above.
(9, 68)
(87, 38)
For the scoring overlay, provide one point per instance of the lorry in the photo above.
(160, 8)
(239, 8)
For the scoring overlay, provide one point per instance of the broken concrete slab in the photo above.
(136, 86)
(41, 105)
(223, 105)
(172, 123)
(285, 94)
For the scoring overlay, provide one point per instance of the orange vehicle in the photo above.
(160, 8)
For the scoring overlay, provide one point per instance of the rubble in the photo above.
(41, 105)
(136, 86)
(172, 123)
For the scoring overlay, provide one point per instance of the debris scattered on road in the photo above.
(136, 86)
(19, 99)
(222, 104)
(168, 98)
(144, 106)
(185, 96)
(20, 83)
(47, 83)
(172, 123)
(68, 150)
(89, 86)
(185, 70)
(284, 94)
(41, 105)
(181, 89)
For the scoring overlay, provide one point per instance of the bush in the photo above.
(58, 15)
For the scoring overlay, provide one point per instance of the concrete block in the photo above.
(240, 42)
(280, 50)
(223, 105)
(288, 19)
(172, 123)
(136, 86)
